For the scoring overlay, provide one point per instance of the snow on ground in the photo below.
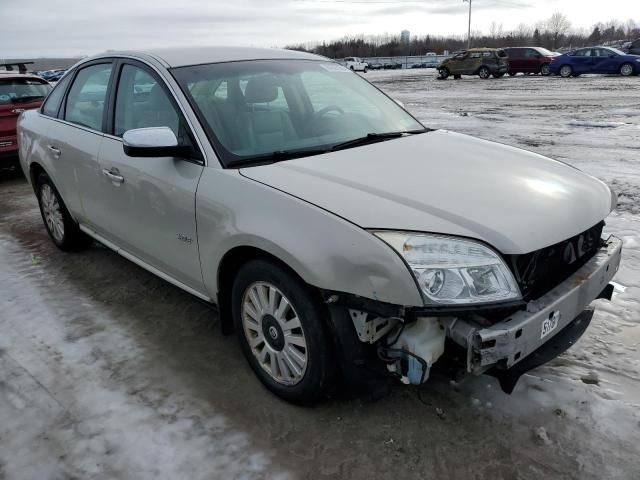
(109, 372)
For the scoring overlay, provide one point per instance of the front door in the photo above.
(152, 200)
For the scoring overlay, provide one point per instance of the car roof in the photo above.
(483, 49)
(4, 75)
(180, 57)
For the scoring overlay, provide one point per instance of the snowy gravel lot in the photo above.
(109, 372)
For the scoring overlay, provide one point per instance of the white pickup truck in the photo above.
(356, 64)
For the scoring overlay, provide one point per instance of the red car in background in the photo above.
(529, 60)
(18, 92)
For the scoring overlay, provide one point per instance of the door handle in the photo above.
(56, 151)
(114, 177)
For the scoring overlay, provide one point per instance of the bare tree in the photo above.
(557, 25)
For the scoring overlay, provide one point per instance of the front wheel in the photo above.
(365, 70)
(62, 228)
(282, 332)
(626, 70)
(545, 70)
(484, 73)
(566, 71)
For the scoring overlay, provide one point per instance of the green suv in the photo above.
(483, 62)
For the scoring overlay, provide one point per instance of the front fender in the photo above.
(325, 250)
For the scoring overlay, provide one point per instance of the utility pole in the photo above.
(469, 31)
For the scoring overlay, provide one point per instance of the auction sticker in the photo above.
(550, 324)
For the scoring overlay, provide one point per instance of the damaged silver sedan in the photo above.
(337, 236)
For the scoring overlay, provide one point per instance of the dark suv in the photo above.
(483, 62)
(529, 60)
(632, 48)
(18, 92)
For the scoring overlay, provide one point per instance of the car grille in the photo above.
(540, 271)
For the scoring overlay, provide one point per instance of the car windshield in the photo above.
(19, 89)
(545, 52)
(253, 109)
(615, 50)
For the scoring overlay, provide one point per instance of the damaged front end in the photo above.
(504, 340)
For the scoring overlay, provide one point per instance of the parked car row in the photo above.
(487, 62)
(18, 92)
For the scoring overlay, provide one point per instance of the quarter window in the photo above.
(86, 99)
(141, 102)
(52, 104)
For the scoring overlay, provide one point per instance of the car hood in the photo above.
(448, 183)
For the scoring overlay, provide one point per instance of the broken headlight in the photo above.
(454, 271)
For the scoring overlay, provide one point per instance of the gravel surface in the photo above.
(109, 372)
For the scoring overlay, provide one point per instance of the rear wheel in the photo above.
(457, 77)
(62, 228)
(484, 73)
(282, 332)
(443, 73)
(626, 70)
(545, 69)
(566, 71)
(365, 70)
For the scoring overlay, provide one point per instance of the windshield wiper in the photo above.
(278, 156)
(375, 137)
(26, 99)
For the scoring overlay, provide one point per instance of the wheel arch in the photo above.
(229, 265)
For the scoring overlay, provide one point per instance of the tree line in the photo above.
(553, 33)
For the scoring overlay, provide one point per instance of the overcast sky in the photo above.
(79, 27)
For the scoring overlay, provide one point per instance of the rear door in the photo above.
(516, 59)
(74, 141)
(152, 200)
(581, 61)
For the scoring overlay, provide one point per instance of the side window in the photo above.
(86, 99)
(530, 53)
(476, 55)
(141, 102)
(54, 99)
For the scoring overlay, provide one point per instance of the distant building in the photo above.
(405, 37)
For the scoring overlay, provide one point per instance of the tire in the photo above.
(512, 74)
(300, 371)
(365, 70)
(443, 73)
(352, 69)
(626, 69)
(484, 73)
(545, 69)
(566, 71)
(457, 76)
(62, 228)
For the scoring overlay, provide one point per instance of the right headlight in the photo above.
(454, 271)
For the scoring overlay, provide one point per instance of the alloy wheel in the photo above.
(626, 69)
(545, 70)
(274, 333)
(484, 73)
(566, 71)
(52, 212)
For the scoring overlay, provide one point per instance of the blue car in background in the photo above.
(595, 60)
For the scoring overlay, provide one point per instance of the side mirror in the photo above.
(152, 142)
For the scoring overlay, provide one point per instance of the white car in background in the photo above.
(356, 64)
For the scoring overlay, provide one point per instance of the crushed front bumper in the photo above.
(508, 342)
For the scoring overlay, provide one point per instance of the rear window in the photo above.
(22, 90)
